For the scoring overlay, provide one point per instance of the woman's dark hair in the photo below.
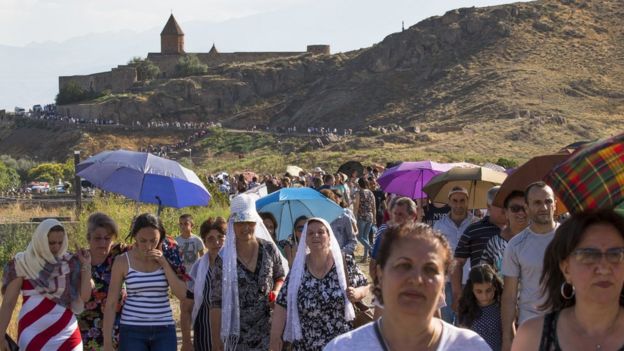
(330, 195)
(362, 183)
(101, 220)
(270, 217)
(469, 309)
(299, 219)
(567, 237)
(219, 224)
(410, 231)
(147, 220)
(57, 228)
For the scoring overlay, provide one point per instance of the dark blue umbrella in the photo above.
(289, 203)
(145, 178)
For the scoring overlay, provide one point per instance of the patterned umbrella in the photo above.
(593, 177)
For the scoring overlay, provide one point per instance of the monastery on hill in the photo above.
(122, 78)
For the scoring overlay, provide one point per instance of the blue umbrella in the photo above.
(145, 178)
(289, 203)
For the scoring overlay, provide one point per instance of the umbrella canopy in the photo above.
(531, 171)
(145, 178)
(289, 203)
(409, 178)
(477, 180)
(294, 170)
(351, 166)
(593, 177)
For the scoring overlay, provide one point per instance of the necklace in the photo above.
(607, 333)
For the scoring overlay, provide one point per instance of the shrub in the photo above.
(189, 65)
(146, 69)
(72, 93)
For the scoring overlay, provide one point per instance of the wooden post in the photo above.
(77, 185)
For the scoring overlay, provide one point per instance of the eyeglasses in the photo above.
(516, 208)
(591, 256)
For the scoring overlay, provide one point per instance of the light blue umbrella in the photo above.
(145, 178)
(289, 203)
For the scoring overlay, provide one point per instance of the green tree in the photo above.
(21, 165)
(146, 69)
(507, 163)
(190, 65)
(49, 172)
(8, 177)
(72, 92)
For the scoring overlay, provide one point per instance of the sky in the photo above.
(43, 39)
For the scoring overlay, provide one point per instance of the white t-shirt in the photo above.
(189, 247)
(364, 338)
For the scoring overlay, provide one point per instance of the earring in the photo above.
(567, 297)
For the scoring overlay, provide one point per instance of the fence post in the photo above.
(77, 184)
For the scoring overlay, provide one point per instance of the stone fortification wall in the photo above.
(117, 80)
(318, 49)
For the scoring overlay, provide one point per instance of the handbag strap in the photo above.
(344, 268)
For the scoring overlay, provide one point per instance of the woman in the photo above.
(364, 209)
(344, 227)
(146, 319)
(289, 245)
(54, 286)
(212, 233)
(315, 303)
(102, 232)
(583, 280)
(412, 265)
(245, 281)
(270, 223)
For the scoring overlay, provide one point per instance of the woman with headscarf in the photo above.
(315, 304)
(246, 279)
(54, 286)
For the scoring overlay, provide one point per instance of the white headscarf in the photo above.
(293, 323)
(243, 209)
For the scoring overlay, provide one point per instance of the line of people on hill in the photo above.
(515, 279)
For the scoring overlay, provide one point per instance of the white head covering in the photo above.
(293, 323)
(31, 262)
(243, 209)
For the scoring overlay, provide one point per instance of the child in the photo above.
(479, 305)
(191, 246)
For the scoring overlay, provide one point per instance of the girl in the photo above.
(479, 306)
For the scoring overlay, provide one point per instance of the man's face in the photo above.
(185, 225)
(541, 205)
(400, 215)
(459, 204)
(497, 215)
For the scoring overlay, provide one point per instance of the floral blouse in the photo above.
(253, 294)
(90, 321)
(321, 306)
(367, 205)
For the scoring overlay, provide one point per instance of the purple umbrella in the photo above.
(409, 178)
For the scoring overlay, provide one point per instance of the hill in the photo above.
(513, 80)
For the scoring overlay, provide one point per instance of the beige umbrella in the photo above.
(294, 170)
(477, 180)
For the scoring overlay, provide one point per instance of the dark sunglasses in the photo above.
(516, 208)
(591, 256)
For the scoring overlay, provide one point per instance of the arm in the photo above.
(372, 269)
(277, 328)
(356, 204)
(215, 329)
(357, 294)
(86, 284)
(176, 284)
(508, 310)
(529, 335)
(456, 281)
(8, 303)
(114, 289)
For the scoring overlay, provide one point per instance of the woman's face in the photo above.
(55, 241)
(317, 237)
(596, 277)
(269, 226)
(214, 240)
(484, 293)
(413, 278)
(299, 228)
(100, 241)
(147, 239)
(244, 230)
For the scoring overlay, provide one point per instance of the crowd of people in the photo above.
(441, 276)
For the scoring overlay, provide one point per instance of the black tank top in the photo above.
(549, 340)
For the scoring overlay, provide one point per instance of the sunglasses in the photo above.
(516, 208)
(591, 256)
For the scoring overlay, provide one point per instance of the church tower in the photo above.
(172, 38)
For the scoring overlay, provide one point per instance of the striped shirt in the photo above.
(147, 303)
(472, 243)
(493, 253)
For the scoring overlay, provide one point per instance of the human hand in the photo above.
(157, 255)
(4, 345)
(276, 345)
(84, 256)
(187, 346)
(351, 294)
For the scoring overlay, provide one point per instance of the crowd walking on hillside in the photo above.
(444, 275)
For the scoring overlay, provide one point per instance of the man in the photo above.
(452, 226)
(515, 213)
(402, 210)
(472, 243)
(328, 182)
(523, 261)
